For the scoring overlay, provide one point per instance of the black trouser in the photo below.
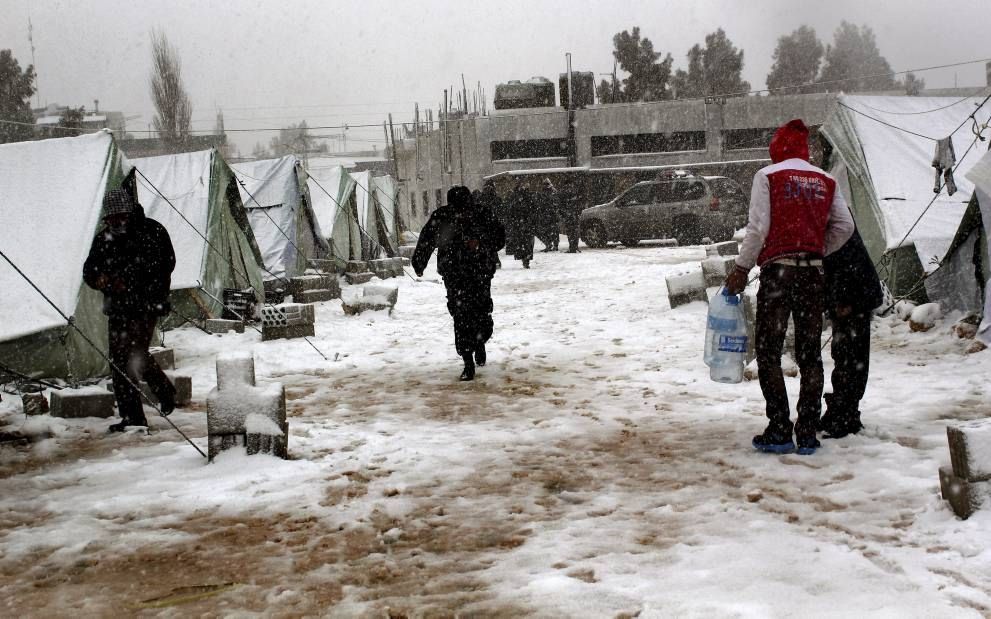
(572, 228)
(469, 300)
(851, 352)
(798, 292)
(523, 245)
(129, 341)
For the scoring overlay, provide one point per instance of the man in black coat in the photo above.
(131, 262)
(570, 212)
(489, 199)
(467, 238)
(548, 230)
(521, 223)
(853, 291)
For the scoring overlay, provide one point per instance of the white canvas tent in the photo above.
(278, 203)
(52, 195)
(332, 191)
(882, 156)
(194, 196)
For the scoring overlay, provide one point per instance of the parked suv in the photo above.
(687, 208)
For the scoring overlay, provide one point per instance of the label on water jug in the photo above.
(733, 343)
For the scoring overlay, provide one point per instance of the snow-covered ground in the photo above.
(591, 470)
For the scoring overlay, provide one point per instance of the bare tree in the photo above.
(173, 111)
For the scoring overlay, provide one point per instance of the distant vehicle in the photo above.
(684, 207)
(535, 92)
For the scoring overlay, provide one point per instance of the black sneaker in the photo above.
(122, 425)
(480, 356)
(807, 445)
(773, 442)
(842, 428)
(167, 404)
(469, 372)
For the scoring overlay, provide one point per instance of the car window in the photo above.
(640, 194)
(726, 188)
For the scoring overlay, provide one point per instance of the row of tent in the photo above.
(232, 226)
(928, 245)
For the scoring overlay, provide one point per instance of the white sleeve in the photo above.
(839, 226)
(758, 224)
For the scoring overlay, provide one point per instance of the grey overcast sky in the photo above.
(267, 63)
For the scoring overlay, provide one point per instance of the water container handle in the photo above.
(732, 299)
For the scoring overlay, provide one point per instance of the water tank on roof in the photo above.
(536, 92)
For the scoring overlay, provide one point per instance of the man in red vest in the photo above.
(797, 216)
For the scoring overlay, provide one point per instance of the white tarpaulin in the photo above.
(980, 175)
(51, 195)
(276, 205)
(332, 192)
(896, 166)
(185, 180)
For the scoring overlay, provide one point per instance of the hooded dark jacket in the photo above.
(851, 278)
(138, 267)
(449, 229)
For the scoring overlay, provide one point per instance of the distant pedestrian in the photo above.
(467, 238)
(797, 216)
(570, 209)
(131, 262)
(548, 228)
(489, 199)
(853, 292)
(521, 227)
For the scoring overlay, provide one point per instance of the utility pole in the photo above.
(572, 142)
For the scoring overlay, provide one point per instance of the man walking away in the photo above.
(548, 229)
(853, 291)
(797, 216)
(570, 214)
(467, 238)
(521, 216)
(490, 200)
(131, 262)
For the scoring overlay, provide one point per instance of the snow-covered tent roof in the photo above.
(193, 196)
(52, 195)
(332, 195)
(278, 208)
(886, 143)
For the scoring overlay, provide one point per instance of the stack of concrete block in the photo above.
(289, 320)
(356, 272)
(84, 402)
(397, 266)
(275, 291)
(183, 384)
(34, 403)
(241, 413)
(314, 288)
(727, 248)
(967, 484)
(382, 268)
(323, 266)
(373, 297)
(219, 326)
(686, 288)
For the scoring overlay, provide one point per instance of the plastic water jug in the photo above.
(725, 338)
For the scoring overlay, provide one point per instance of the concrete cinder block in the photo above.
(315, 296)
(323, 266)
(405, 261)
(165, 357)
(406, 251)
(965, 497)
(380, 293)
(221, 325)
(183, 389)
(686, 288)
(234, 370)
(727, 248)
(254, 417)
(970, 449)
(303, 283)
(357, 305)
(356, 266)
(85, 402)
(716, 268)
(358, 278)
(287, 332)
(34, 403)
(288, 314)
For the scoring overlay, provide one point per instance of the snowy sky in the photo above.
(268, 63)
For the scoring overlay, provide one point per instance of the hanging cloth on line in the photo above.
(943, 160)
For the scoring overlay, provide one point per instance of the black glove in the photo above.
(737, 280)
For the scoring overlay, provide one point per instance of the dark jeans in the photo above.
(798, 292)
(129, 341)
(469, 300)
(851, 352)
(572, 229)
